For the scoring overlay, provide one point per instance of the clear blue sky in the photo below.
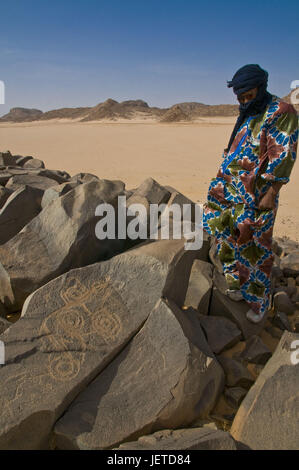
(57, 53)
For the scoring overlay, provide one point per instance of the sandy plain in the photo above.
(183, 155)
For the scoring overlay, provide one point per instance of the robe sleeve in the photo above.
(282, 140)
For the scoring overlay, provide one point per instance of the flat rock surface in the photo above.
(165, 377)
(183, 439)
(268, 417)
(200, 286)
(69, 330)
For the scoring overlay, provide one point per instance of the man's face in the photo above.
(247, 95)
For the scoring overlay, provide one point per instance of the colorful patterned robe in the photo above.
(263, 151)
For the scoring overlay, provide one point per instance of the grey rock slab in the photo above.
(4, 195)
(283, 303)
(201, 438)
(56, 175)
(22, 206)
(21, 160)
(255, 351)
(6, 158)
(57, 191)
(4, 325)
(33, 163)
(234, 396)
(152, 191)
(182, 205)
(69, 330)
(84, 178)
(281, 320)
(14, 170)
(179, 260)
(236, 374)
(286, 246)
(166, 377)
(4, 177)
(268, 418)
(222, 305)
(35, 181)
(200, 286)
(61, 237)
(221, 333)
(290, 264)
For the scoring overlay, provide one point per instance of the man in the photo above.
(242, 200)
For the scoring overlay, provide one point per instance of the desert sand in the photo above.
(183, 155)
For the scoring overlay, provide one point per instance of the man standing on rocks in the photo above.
(242, 200)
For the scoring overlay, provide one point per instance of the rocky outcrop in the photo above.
(108, 340)
(69, 330)
(166, 377)
(61, 237)
(14, 215)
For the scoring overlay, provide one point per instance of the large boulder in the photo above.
(70, 329)
(4, 324)
(202, 438)
(166, 377)
(62, 236)
(19, 180)
(290, 264)
(81, 178)
(236, 374)
(221, 333)
(22, 206)
(268, 417)
(255, 351)
(4, 195)
(4, 177)
(6, 158)
(33, 163)
(200, 286)
(180, 260)
(57, 191)
(152, 191)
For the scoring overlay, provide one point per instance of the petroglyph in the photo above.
(68, 330)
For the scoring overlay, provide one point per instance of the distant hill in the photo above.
(22, 115)
(130, 109)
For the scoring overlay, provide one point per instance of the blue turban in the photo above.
(248, 77)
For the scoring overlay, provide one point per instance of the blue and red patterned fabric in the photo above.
(262, 152)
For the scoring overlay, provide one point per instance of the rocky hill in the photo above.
(22, 115)
(130, 109)
(132, 343)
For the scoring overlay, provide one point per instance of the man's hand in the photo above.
(268, 200)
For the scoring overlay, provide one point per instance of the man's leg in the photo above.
(255, 259)
(226, 249)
